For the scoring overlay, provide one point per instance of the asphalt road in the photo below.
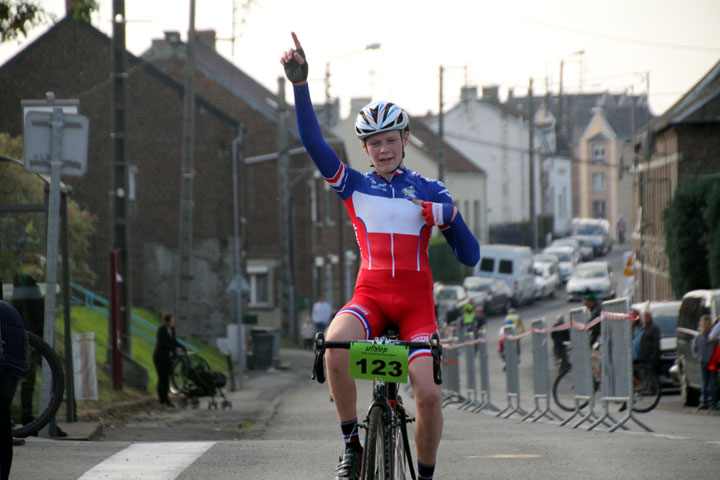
(284, 426)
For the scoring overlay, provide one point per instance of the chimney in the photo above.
(70, 7)
(468, 93)
(356, 104)
(172, 37)
(490, 93)
(207, 37)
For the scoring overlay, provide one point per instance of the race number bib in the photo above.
(371, 361)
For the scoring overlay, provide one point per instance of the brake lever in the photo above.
(318, 371)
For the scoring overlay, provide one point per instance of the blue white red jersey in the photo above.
(390, 229)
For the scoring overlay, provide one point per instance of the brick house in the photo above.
(322, 243)
(685, 141)
(73, 59)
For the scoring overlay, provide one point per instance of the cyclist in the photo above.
(591, 302)
(392, 210)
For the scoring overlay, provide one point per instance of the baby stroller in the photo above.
(191, 378)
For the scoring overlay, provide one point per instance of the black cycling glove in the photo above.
(295, 72)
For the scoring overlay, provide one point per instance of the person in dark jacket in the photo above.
(646, 343)
(591, 302)
(13, 352)
(560, 337)
(165, 349)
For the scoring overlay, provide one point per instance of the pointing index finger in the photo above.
(297, 42)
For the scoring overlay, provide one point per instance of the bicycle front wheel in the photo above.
(379, 447)
(28, 412)
(564, 391)
(646, 390)
(401, 467)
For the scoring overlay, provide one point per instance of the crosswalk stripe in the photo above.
(149, 461)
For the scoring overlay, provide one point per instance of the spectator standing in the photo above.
(308, 333)
(703, 347)
(321, 314)
(13, 352)
(165, 348)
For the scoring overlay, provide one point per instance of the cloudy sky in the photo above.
(479, 42)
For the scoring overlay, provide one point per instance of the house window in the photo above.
(259, 280)
(598, 153)
(599, 209)
(314, 201)
(598, 182)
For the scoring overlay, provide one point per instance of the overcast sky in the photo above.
(480, 42)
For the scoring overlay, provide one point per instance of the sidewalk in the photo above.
(257, 400)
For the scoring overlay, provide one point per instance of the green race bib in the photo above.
(371, 361)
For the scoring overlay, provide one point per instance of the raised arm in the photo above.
(296, 70)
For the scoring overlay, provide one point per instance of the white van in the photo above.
(512, 263)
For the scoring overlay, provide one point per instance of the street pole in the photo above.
(288, 327)
(119, 172)
(641, 191)
(238, 274)
(186, 184)
(531, 150)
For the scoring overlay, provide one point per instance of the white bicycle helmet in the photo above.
(380, 117)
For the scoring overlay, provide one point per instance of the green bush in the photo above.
(692, 236)
(443, 264)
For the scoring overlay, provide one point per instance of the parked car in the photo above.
(547, 279)
(511, 263)
(566, 264)
(694, 305)
(595, 276)
(665, 316)
(586, 247)
(494, 294)
(598, 230)
(569, 242)
(448, 299)
(546, 258)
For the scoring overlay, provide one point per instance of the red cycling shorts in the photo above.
(405, 301)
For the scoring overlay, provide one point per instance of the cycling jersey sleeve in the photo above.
(461, 240)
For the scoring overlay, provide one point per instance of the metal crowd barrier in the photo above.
(512, 374)
(541, 373)
(617, 363)
(615, 376)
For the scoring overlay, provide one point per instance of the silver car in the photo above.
(594, 276)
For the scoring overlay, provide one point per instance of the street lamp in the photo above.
(328, 117)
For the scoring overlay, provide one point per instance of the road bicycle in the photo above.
(646, 388)
(387, 454)
(29, 413)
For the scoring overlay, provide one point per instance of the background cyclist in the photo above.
(393, 210)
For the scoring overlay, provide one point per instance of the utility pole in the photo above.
(641, 192)
(531, 150)
(441, 133)
(288, 327)
(119, 172)
(560, 99)
(186, 183)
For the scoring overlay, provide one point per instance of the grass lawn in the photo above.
(85, 320)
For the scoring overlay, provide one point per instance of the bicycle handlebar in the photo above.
(318, 372)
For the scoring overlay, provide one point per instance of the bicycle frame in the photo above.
(385, 394)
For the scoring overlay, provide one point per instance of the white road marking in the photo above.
(506, 455)
(151, 461)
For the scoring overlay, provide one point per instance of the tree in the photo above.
(444, 265)
(23, 235)
(19, 16)
(692, 236)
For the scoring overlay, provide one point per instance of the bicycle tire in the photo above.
(378, 448)
(646, 390)
(39, 354)
(564, 393)
(402, 466)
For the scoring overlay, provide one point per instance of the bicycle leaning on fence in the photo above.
(387, 454)
(645, 390)
(29, 412)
